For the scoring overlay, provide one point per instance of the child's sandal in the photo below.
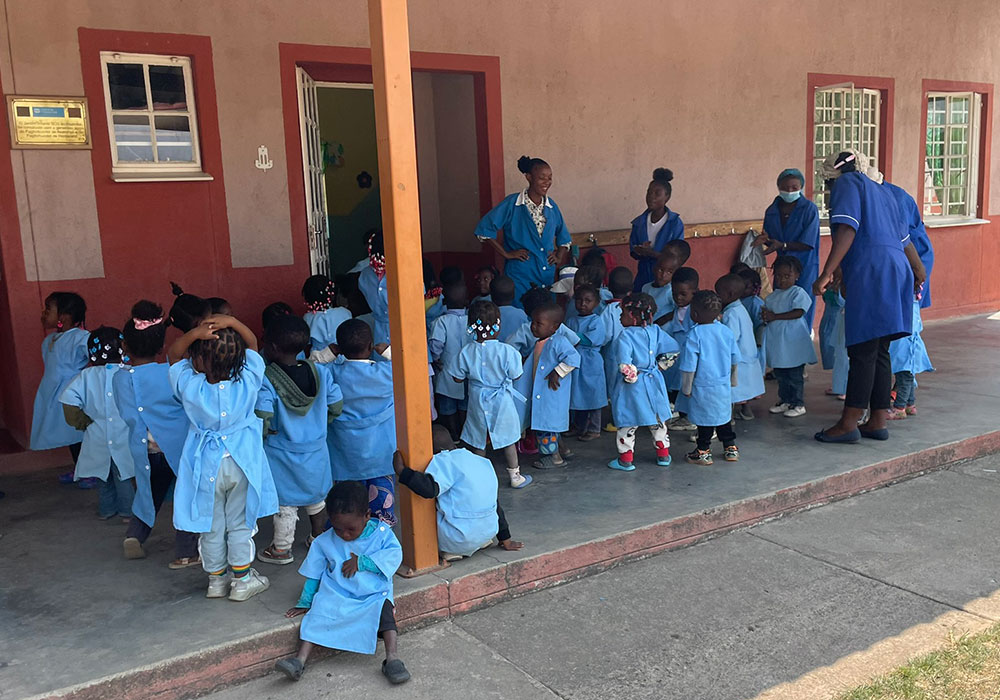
(292, 668)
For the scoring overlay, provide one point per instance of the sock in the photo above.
(241, 573)
(220, 572)
(662, 450)
(625, 457)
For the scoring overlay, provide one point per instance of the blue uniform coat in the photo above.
(448, 336)
(672, 230)
(466, 502)
(909, 354)
(787, 343)
(678, 328)
(710, 352)
(663, 296)
(914, 224)
(645, 402)
(833, 304)
(802, 227)
(64, 355)
(547, 410)
(491, 368)
(107, 438)
(749, 378)
(376, 293)
(590, 388)
(323, 326)
(363, 437)
(511, 319)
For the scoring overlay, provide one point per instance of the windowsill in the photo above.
(934, 222)
(162, 176)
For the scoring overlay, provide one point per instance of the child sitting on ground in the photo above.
(465, 486)
(511, 317)
(363, 437)
(323, 316)
(638, 396)
(788, 347)
(89, 405)
(297, 400)
(347, 598)
(448, 337)
(750, 378)
(590, 389)
(224, 484)
(683, 286)
(661, 289)
(909, 358)
(708, 368)
(490, 368)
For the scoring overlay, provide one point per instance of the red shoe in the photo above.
(911, 410)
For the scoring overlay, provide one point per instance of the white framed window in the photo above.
(951, 159)
(151, 117)
(844, 116)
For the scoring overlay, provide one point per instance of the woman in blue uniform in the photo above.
(654, 228)
(914, 223)
(791, 227)
(878, 278)
(535, 238)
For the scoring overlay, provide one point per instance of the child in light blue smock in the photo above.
(683, 286)
(592, 276)
(483, 280)
(157, 428)
(708, 368)
(639, 396)
(323, 316)
(752, 302)
(363, 437)
(787, 346)
(297, 400)
(620, 283)
(373, 285)
(64, 353)
(909, 358)
(832, 342)
(511, 317)
(750, 377)
(490, 367)
(89, 405)
(465, 486)
(547, 385)
(347, 599)
(590, 388)
(224, 483)
(448, 337)
(661, 289)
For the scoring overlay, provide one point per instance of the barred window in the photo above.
(951, 160)
(844, 117)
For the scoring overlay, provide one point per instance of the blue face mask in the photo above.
(790, 196)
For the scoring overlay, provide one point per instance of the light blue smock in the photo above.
(363, 437)
(645, 402)
(841, 360)
(787, 343)
(678, 328)
(222, 422)
(590, 387)
(749, 378)
(323, 326)
(64, 355)
(753, 304)
(710, 352)
(914, 223)
(909, 354)
(148, 406)
(107, 438)
(466, 502)
(296, 444)
(833, 304)
(613, 324)
(511, 319)
(523, 340)
(547, 411)
(875, 267)
(376, 293)
(490, 368)
(663, 296)
(435, 310)
(449, 334)
(604, 296)
(802, 226)
(672, 230)
(520, 232)
(345, 611)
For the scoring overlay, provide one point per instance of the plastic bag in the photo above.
(750, 254)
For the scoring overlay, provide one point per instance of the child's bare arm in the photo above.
(180, 346)
(733, 376)
(222, 321)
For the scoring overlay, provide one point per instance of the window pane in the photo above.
(173, 139)
(127, 86)
(959, 110)
(133, 138)
(166, 84)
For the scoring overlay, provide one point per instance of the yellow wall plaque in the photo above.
(48, 122)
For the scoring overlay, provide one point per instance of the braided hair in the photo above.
(641, 307)
(221, 359)
(707, 303)
(319, 292)
(484, 320)
(104, 345)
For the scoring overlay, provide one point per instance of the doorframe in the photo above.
(352, 65)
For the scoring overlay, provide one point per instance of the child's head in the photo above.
(533, 298)
(587, 299)
(538, 174)
(588, 275)
(752, 281)
(620, 282)
(354, 339)
(145, 332)
(319, 292)
(705, 306)
(730, 288)
(64, 310)
(273, 311)
(456, 294)
(347, 508)
(105, 347)
(684, 285)
(739, 267)
(666, 265)
(285, 337)
(430, 277)
(484, 278)
(484, 320)
(659, 190)
(187, 310)
(218, 305)
(546, 319)
(638, 309)
(595, 258)
(451, 274)
(441, 439)
(502, 291)
(220, 359)
(680, 248)
(786, 270)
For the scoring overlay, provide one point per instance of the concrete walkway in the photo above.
(101, 626)
(803, 607)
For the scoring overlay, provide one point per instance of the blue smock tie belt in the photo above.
(215, 441)
(493, 393)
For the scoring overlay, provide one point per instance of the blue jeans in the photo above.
(790, 385)
(447, 406)
(115, 495)
(587, 421)
(906, 390)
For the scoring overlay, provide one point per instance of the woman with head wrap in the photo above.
(879, 268)
(791, 227)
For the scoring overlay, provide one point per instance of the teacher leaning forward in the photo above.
(880, 269)
(535, 239)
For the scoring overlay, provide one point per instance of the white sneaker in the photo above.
(245, 589)
(795, 412)
(780, 407)
(218, 586)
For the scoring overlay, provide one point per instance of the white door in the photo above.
(315, 183)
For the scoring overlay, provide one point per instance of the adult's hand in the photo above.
(521, 254)
(821, 283)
